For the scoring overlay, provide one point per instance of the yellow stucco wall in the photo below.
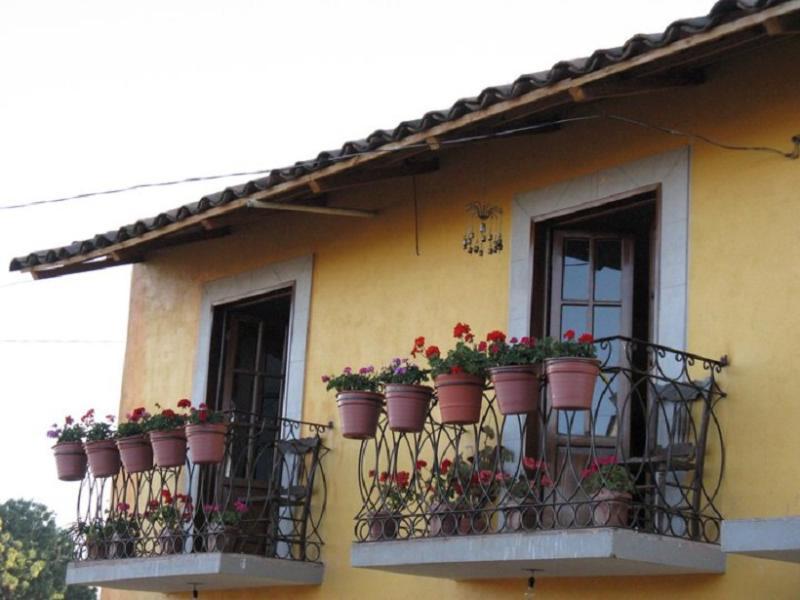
(371, 296)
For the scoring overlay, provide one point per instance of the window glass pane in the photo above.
(607, 322)
(608, 270)
(242, 393)
(247, 343)
(575, 318)
(576, 270)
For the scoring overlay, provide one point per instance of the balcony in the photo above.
(520, 494)
(272, 471)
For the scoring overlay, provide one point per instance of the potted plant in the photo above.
(205, 434)
(572, 369)
(168, 515)
(407, 400)
(522, 495)
(100, 447)
(611, 487)
(68, 451)
(223, 526)
(513, 370)
(358, 400)
(96, 536)
(167, 437)
(396, 492)
(124, 526)
(459, 377)
(132, 442)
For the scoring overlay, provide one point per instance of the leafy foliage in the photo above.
(34, 554)
(605, 473)
(365, 380)
(166, 420)
(202, 415)
(70, 431)
(402, 371)
(502, 353)
(135, 425)
(98, 430)
(465, 357)
(568, 346)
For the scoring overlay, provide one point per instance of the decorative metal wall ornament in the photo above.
(484, 235)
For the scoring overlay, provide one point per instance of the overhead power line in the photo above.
(792, 154)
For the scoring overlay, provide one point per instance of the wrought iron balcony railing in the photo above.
(272, 473)
(653, 428)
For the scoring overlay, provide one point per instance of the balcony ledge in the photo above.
(565, 553)
(207, 571)
(776, 539)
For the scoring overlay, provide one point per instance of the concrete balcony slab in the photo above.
(207, 571)
(775, 539)
(564, 553)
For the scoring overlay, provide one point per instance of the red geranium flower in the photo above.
(482, 346)
(420, 464)
(202, 415)
(586, 338)
(168, 412)
(445, 466)
(372, 472)
(402, 478)
(462, 330)
(496, 336)
(184, 403)
(456, 370)
(419, 344)
(383, 477)
(432, 351)
(153, 504)
(569, 334)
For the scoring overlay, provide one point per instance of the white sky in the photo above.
(95, 95)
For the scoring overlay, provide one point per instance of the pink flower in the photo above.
(532, 464)
(69, 420)
(110, 418)
(240, 506)
(325, 378)
(347, 370)
(211, 508)
(546, 481)
(123, 506)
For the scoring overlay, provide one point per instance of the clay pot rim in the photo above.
(132, 438)
(65, 446)
(108, 442)
(178, 432)
(527, 368)
(460, 379)
(583, 359)
(607, 493)
(360, 395)
(408, 386)
(209, 427)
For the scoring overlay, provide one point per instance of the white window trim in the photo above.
(294, 273)
(670, 171)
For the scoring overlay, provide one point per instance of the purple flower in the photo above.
(400, 371)
(52, 433)
(513, 340)
(366, 370)
(397, 362)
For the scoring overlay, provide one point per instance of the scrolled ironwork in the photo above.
(653, 423)
(272, 471)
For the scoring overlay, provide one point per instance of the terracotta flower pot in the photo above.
(169, 447)
(519, 515)
(473, 523)
(383, 525)
(222, 538)
(459, 398)
(170, 541)
(611, 509)
(103, 458)
(358, 413)
(407, 406)
(122, 547)
(516, 388)
(442, 521)
(70, 461)
(96, 550)
(571, 381)
(206, 442)
(136, 453)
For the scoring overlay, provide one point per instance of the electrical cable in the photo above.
(792, 155)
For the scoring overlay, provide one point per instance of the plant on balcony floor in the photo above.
(358, 400)
(462, 489)
(101, 448)
(96, 538)
(396, 492)
(513, 367)
(124, 527)
(407, 400)
(572, 368)
(205, 434)
(68, 450)
(133, 444)
(611, 487)
(222, 530)
(459, 377)
(522, 495)
(168, 516)
(167, 436)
